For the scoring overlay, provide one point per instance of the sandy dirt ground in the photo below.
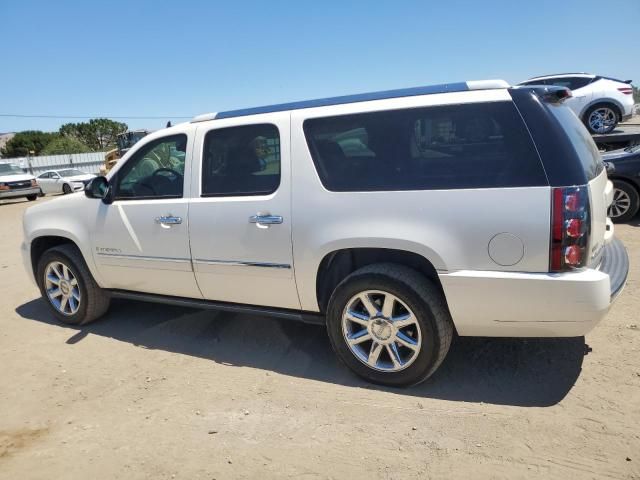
(158, 392)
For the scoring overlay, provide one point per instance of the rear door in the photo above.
(240, 216)
(581, 96)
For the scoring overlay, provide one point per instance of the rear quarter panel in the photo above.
(450, 228)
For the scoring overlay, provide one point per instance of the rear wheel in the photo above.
(626, 202)
(31, 198)
(389, 324)
(66, 188)
(601, 118)
(68, 287)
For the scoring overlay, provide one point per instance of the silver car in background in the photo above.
(63, 181)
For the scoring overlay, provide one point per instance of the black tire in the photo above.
(591, 109)
(31, 198)
(423, 298)
(94, 301)
(633, 202)
(66, 189)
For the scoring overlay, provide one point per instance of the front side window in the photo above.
(242, 160)
(71, 172)
(480, 145)
(154, 171)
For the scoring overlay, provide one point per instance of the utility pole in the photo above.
(29, 153)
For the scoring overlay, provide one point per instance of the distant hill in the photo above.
(4, 138)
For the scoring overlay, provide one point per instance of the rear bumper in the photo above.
(513, 304)
(23, 192)
(615, 263)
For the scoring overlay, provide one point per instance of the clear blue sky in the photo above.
(157, 58)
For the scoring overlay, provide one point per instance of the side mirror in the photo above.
(610, 167)
(99, 188)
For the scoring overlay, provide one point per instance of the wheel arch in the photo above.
(338, 264)
(631, 181)
(603, 101)
(44, 240)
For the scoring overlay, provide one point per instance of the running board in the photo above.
(295, 315)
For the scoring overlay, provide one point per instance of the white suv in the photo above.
(393, 218)
(601, 102)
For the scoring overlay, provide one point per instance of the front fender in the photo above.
(66, 218)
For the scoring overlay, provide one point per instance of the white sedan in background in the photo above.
(63, 181)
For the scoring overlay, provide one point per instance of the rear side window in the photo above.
(572, 83)
(580, 139)
(534, 82)
(480, 145)
(241, 160)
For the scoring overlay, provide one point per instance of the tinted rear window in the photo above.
(580, 139)
(480, 145)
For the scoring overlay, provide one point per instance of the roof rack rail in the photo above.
(361, 97)
(560, 74)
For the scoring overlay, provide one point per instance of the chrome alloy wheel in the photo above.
(62, 288)
(620, 204)
(381, 331)
(602, 120)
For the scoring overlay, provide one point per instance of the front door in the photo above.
(240, 216)
(49, 183)
(141, 241)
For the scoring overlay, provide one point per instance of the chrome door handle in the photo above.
(264, 220)
(168, 220)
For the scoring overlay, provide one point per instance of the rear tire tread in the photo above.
(432, 299)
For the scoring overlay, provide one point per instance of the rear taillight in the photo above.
(626, 90)
(570, 226)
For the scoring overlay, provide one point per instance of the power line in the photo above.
(130, 117)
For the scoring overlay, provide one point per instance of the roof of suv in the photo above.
(361, 97)
(556, 75)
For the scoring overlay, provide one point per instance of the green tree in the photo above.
(98, 134)
(28, 141)
(63, 145)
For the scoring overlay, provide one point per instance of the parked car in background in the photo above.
(623, 168)
(64, 181)
(392, 218)
(14, 183)
(600, 102)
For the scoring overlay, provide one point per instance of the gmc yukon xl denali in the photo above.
(394, 218)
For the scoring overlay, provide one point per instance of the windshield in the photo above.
(9, 169)
(70, 172)
(582, 142)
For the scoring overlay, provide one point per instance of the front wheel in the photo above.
(31, 198)
(389, 324)
(68, 287)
